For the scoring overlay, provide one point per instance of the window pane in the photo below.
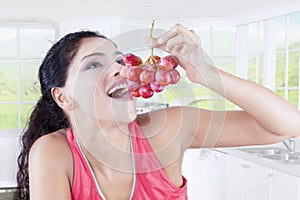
(293, 97)
(253, 38)
(8, 81)
(205, 104)
(36, 42)
(205, 36)
(26, 110)
(227, 64)
(173, 93)
(8, 42)
(224, 41)
(280, 92)
(281, 33)
(30, 90)
(294, 31)
(255, 69)
(255, 52)
(293, 79)
(280, 69)
(8, 116)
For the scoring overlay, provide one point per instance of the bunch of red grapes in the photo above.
(152, 76)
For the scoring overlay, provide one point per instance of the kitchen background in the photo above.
(256, 40)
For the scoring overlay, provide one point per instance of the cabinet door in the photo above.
(247, 180)
(236, 178)
(284, 186)
(258, 182)
(206, 174)
(194, 171)
(215, 164)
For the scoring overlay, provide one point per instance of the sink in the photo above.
(277, 154)
(265, 151)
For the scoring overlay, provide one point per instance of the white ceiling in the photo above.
(33, 10)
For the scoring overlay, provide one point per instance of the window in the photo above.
(273, 55)
(22, 48)
(287, 57)
(255, 52)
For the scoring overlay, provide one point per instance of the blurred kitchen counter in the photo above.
(292, 169)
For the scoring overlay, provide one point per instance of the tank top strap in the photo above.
(83, 185)
(145, 158)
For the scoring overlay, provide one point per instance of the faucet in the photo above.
(290, 145)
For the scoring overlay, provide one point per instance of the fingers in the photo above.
(178, 30)
(179, 40)
(166, 36)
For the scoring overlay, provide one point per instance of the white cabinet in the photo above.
(215, 175)
(222, 176)
(284, 186)
(236, 179)
(194, 171)
(247, 180)
(258, 179)
(205, 171)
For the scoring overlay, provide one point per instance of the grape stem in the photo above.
(152, 26)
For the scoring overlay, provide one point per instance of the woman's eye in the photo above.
(120, 61)
(94, 65)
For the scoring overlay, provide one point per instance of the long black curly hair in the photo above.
(47, 116)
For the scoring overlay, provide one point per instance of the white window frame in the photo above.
(18, 59)
(269, 55)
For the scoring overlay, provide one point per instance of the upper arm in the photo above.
(229, 129)
(189, 127)
(49, 167)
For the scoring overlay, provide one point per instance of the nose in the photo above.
(116, 68)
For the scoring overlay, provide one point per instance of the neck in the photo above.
(104, 143)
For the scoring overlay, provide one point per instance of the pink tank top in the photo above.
(148, 184)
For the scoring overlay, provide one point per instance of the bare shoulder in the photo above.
(168, 119)
(50, 167)
(175, 124)
(52, 149)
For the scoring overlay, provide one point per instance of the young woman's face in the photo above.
(97, 90)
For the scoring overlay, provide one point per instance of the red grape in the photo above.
(163, 78)
(131, 59)
(157, 58)
(152, 76)
(146, 91)
(168, 62)
(133, 73)
(132, 85)
(135, 93)
(140, 60)
(175, 76)
(156, 87)
(149, 67)
(147, 76)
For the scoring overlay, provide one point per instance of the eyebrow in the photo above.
(100, 54)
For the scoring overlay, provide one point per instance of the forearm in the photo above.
(269, 110)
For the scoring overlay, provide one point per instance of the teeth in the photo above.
(121, 86)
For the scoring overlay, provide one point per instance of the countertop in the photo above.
(292, 169)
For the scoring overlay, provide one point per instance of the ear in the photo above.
(62, 99)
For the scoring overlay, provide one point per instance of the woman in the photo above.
(85, 140)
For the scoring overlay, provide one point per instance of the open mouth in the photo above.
(118, 91)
